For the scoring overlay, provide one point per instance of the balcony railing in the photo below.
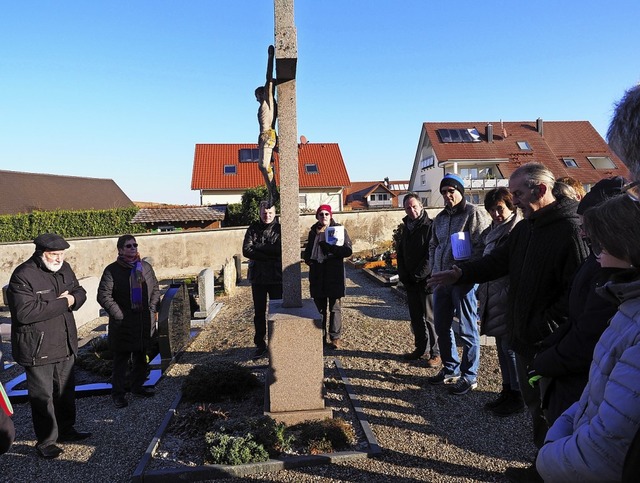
(485, 184)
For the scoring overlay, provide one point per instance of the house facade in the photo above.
(373, 195)
(485, 154)
(223, 172)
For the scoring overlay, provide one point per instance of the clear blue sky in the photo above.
(125, 89)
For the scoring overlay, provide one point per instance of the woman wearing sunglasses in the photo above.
(129, 292)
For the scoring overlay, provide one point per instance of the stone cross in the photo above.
(286, 50)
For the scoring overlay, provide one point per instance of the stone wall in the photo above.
(186, 253)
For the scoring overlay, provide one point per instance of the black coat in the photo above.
(43, 329)
(541, 256)
(129, 331)
(566, 355)
(413, 251)
(327, 279)
(262, 245)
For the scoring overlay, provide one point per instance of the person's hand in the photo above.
(70, 298)
(446, 277)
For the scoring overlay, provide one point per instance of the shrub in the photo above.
(265, 430)
(325, 436)
(218, 382)
(223, 449)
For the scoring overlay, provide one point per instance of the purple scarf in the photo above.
(136, 281)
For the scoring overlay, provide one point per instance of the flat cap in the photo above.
(49, 242)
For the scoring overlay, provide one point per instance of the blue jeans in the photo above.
(458, 301)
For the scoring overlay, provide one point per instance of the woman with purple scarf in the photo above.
(129, 292)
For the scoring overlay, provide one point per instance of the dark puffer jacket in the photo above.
(326, 279)
(540, 257)
(43, 329)
(413, 251)
(129, 331)
(262, 245)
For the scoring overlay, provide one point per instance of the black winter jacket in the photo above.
(326, 279)
(541, 257)
(129, 331)
(413, 251)
(262, 245)
(43, 329)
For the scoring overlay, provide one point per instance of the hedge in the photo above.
(69, 224)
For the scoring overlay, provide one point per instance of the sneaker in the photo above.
(502, 397)
(260, 353)
(434, 362)
(512, 405)
(528, 474)
(442, 378)
(462, 386)
(413, 356)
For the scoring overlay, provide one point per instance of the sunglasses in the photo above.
(632, 190)
(131, 245)
(324, 213)
(448, 192)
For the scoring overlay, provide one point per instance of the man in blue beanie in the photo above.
(457, 235)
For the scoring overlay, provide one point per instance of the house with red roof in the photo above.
(374, 195)
(485, 154)
(223, 172)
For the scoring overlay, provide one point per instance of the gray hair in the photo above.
(624, 131)
(535, 174)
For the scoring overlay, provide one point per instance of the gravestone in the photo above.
(174, 323)
(206, 293)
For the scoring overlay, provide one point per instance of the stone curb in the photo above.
(210, 472)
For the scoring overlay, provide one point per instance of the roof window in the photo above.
(249, 155)
(524, 145)
(459, 135)
(601, 162)
(570, 162)
(229, 169)
(311, 168)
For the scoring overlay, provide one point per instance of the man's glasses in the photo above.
(632, 190)
(131, 245)
(324, 213)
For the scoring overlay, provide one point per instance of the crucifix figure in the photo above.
(267, 114)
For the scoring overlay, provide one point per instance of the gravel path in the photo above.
(426, 434)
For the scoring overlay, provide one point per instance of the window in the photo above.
(459, 135)
(469, 173)
(423, 179)
(427, 162)
(229, 169)
(523, 145)
(380, 197)
(570, 162)
(601, 162)
(311, 168)
(249, 155)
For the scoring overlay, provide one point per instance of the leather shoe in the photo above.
(49, 452)
(73, 435)
(143, 392)
(120, 402)
(434, 362)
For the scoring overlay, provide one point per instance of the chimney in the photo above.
(489, 131)
(539, 126)
(386, 182)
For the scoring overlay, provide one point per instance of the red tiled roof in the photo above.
(560, 139)
(210, 159)
(356, 194)
(27, 192)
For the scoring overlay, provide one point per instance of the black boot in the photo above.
(512, 405)
(502, 397)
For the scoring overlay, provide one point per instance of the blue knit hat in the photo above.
(453, 180)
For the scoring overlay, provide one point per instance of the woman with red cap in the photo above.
(328, 245)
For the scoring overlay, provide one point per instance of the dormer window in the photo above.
(311, 168)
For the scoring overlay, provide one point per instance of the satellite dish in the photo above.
(303, 140)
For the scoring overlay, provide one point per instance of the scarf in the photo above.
(316, 252)
(136, 280)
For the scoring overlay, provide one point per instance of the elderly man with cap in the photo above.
(458, 234)
(43, 293)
